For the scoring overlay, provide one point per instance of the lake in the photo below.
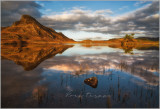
(53, 76)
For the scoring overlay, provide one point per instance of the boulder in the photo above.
(93, 82)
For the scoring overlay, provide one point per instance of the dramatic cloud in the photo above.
(12, 11)
(143, 21)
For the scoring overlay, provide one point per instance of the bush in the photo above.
(127, 36)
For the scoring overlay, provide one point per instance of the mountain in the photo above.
(30, 30)
(31, 56)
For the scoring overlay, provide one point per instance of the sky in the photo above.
(96, 20)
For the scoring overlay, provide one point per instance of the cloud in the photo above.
(138, 3)
(41, 4)
(143, 21)
(124, 7)
(77, 19)
(130, 32)
(12, 11)
(48, 10)
(104, 11)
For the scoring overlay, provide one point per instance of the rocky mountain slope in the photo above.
(30, 30)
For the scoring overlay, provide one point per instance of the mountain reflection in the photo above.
(142, 65)
(31, 56)
(120, 79)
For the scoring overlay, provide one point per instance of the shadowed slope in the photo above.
(30, 30)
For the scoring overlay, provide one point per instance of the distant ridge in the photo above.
(30, 30)
(149, 38)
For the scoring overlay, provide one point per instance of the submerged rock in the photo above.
(93, 82)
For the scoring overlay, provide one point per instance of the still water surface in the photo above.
(54, 77)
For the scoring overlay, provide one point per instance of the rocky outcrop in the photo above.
(30, 30)
(93, 81)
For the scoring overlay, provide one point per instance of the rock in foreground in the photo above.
(93, 82)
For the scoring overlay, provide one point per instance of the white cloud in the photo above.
(130, 32)
(48, 10)
(140, 3)
(124, 7)
(143, 21)
(141, 27)
(41, 4)
(104, 11)
(82, 35)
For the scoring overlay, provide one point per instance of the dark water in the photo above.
(54, 77)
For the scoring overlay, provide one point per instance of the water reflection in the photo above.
(39, 93)
(42, 77)
(31, 56)
(136, 65)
